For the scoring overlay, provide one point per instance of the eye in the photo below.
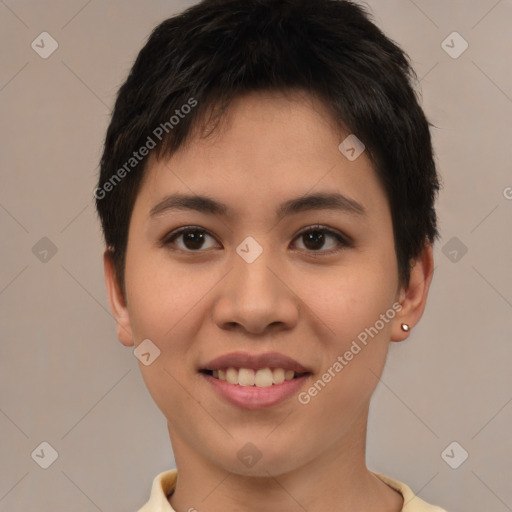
(193, 238)
(314, 238)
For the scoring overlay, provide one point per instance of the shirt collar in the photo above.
(164, 483)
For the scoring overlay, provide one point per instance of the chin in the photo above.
(255, 462)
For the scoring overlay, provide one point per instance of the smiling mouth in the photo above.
(261, 378)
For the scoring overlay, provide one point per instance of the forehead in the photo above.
(267, 147)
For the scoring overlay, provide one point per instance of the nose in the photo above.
(256, 297)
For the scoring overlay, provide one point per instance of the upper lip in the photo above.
(255, 361)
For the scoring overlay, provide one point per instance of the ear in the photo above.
(117, 301)
(413, 297)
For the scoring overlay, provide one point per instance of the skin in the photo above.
(206, 302)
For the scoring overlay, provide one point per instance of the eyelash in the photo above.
(345, 242)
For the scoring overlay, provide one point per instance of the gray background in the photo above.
(66, 380)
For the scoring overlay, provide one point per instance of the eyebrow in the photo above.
(205, 204)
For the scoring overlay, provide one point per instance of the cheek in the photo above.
(354, 352)
(158, 294)
(166, 304)
(161, 307)
(352, 298)
(355, 303)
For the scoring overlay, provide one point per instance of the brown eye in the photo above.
(193, 239)
(315, 238)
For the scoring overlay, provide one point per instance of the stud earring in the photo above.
(405, 327)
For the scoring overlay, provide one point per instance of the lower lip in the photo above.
(253, 397)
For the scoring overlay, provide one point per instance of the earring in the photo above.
(405, 327)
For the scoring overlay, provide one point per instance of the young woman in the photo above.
(267, 198)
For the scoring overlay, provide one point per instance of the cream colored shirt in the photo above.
(164, 483)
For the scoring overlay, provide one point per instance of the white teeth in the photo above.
(246, 377)
(232, 375)
(289, 375)
(278, 375)
(262, 378)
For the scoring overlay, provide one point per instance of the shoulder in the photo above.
(412, 503)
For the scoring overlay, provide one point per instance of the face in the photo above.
(273, 274)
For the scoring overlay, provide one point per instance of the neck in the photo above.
(336, 480)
